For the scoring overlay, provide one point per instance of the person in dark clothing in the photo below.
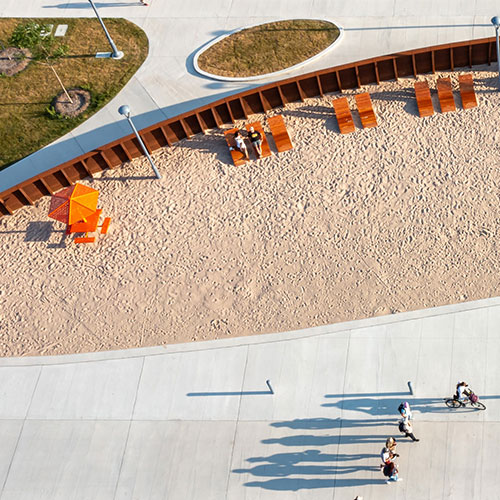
(256, 140)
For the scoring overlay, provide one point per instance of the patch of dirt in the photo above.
(14, 60)
(80, 102)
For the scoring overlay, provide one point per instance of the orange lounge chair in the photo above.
(280, 133)
(467, 93)
(424, 101)
(445, 95)
(105, 225)
(343, 114)
(265, 145)
(237, 156)
(365, 108)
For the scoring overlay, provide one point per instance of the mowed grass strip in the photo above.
(268, 48)
(25, 126)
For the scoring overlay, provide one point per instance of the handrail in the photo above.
(241, 105)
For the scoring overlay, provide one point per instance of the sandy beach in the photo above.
(400, 217)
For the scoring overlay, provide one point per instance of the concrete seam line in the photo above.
(129, 427)
(13, 456)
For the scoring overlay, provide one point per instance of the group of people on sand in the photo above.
(388, 453)
(255, 140)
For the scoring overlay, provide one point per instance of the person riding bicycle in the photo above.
(463, 393)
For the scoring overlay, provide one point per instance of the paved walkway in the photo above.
(197, 421)
(167, 85)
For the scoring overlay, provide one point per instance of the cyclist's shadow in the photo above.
(386, 405)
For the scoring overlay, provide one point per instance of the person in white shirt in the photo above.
(388, 453)
(240, 144)
(407, 429)
(405, 410)
(462, 392)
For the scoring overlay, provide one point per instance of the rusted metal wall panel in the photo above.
(240, 106)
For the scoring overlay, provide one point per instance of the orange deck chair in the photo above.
(467, 93)
(445, 95)
(424, 101)
(280, 133)
(265, 145)
(365, 108)
(343, 114)
(105, 225)
(236, 154)
(86, 239)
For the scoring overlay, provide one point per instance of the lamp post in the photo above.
(496, 22)
(125, 111)
(116, 54)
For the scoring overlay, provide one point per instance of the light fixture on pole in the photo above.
(496, 22)
(125, 111)
(116, 54)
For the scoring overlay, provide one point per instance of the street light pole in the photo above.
(496, 22)
(117, 54)
(125, 111)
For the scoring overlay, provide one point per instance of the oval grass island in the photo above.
(266, 49)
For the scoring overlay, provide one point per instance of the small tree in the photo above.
(35, 36)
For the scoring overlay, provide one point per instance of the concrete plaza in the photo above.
(197, 421)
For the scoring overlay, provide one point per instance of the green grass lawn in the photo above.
(25, 126)
(268, 48)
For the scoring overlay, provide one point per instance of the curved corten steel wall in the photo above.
(240, 106)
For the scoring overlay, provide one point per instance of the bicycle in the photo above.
(472, 400)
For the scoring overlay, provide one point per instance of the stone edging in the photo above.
(275, 74)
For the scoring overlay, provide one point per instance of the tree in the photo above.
(43, 46)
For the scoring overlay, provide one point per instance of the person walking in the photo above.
(390, 443)
(388, 453)
(405, 410)
(143, 3)
(406, 428)
(391, 472)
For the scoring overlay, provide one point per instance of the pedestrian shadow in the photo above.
(313, 440)
(297, 484)
(299, 468)
(330, 423)
(286, 469)
(311, 456)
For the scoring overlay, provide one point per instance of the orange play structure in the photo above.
(76, 206)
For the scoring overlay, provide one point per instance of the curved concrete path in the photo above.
(166, 85)
(197, 421)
